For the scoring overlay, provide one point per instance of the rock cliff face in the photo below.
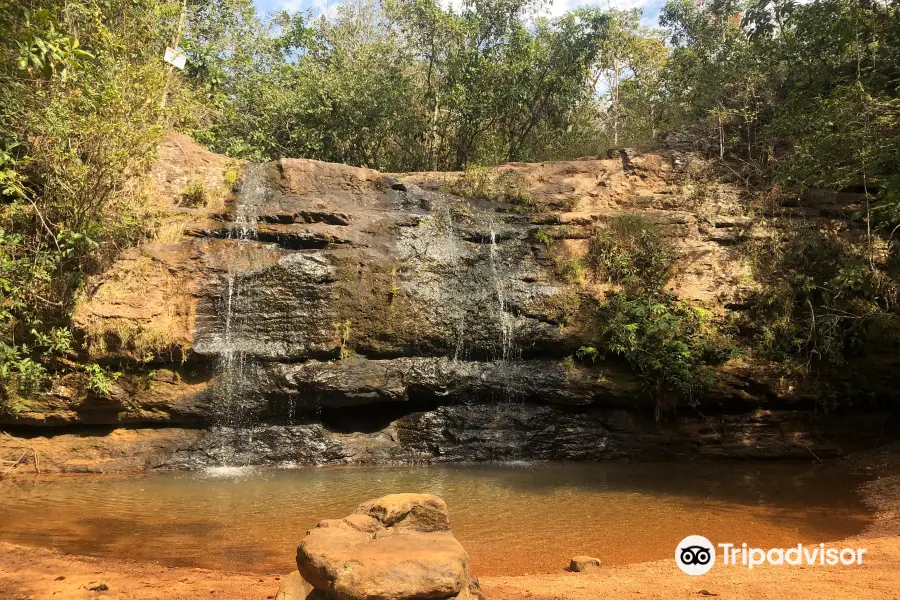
(314, 313)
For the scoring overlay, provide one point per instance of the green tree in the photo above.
(81, 90)
(403, 85)
(629, 71)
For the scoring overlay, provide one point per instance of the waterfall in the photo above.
(459, 271)
(505, 319)
(232, 396)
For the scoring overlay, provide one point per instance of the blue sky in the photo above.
(650, 7)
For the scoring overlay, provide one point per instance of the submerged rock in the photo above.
(398, 547)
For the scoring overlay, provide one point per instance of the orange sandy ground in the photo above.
(38, 574)
(41, 574)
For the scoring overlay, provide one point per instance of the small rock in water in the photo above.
(583, 564)
(294, 587)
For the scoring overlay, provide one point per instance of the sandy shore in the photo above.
(39, 574)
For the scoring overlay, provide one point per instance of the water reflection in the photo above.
(512, 518)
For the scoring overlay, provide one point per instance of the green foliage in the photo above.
(587, 352)
(395, 85)
(631, 66)
(572, 271)
(100, 379)
(542, 237)
(194, 194)
(631, 252)
(82, 96)
(823, 300)
(46, 50)
(232, 174)
(18, 372)
(802, 92)
(666, 341)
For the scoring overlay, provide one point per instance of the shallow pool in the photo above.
(513, 519)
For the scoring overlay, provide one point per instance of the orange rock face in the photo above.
(399, 547)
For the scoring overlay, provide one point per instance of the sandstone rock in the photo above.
(294, 587)
(97, 450)
(398, 547)
(373, 323)
(584, 564)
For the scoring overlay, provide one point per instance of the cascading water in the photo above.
(507, 349)
(232, 399)
(505, 320)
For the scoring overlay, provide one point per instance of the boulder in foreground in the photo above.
(398, 547)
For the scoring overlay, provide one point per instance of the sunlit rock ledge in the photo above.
(371, 317)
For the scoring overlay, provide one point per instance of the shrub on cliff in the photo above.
(667, 341)
(631, 252)
(824, 299)
(84, 97)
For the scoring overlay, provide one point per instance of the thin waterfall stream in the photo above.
(505, 319)
(507, 351)
(231, 400)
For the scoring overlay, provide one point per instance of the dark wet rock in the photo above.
(403, 280)
(359, 380)
(331, 218)
(512, 431)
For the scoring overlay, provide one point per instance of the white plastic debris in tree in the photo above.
(175, 57)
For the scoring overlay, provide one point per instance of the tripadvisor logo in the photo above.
(696, 555)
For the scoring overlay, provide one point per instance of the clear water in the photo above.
(513, 519)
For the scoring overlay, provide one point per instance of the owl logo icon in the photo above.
(695, 555)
